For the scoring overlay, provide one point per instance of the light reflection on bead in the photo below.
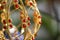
(22, 31)
(0, 5)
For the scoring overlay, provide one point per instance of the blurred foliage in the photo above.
(46, 22)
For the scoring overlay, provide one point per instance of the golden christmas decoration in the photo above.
(11, 30)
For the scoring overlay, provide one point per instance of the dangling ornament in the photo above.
(12, 31)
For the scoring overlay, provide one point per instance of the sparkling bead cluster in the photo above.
(24, 17)
(25, 20)
(36, 17)
(4, 21)
(16, 5)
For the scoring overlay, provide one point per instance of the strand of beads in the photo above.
(36, 17)
(12, 29)
(25, 20)
(2, 3)
(16, 5)
(6, 21)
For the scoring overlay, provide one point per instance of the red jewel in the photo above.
(39, 17)
(28, 24)
(15, 0)
(28, 18)
(16, 6)
(32, 38)
(4, 2)
(4, 21)
(24, 20)
(1, 7)
(9, 21)
(31, 4)
(40, 22)
(4, 27)
(10, 26)
(24, 25)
